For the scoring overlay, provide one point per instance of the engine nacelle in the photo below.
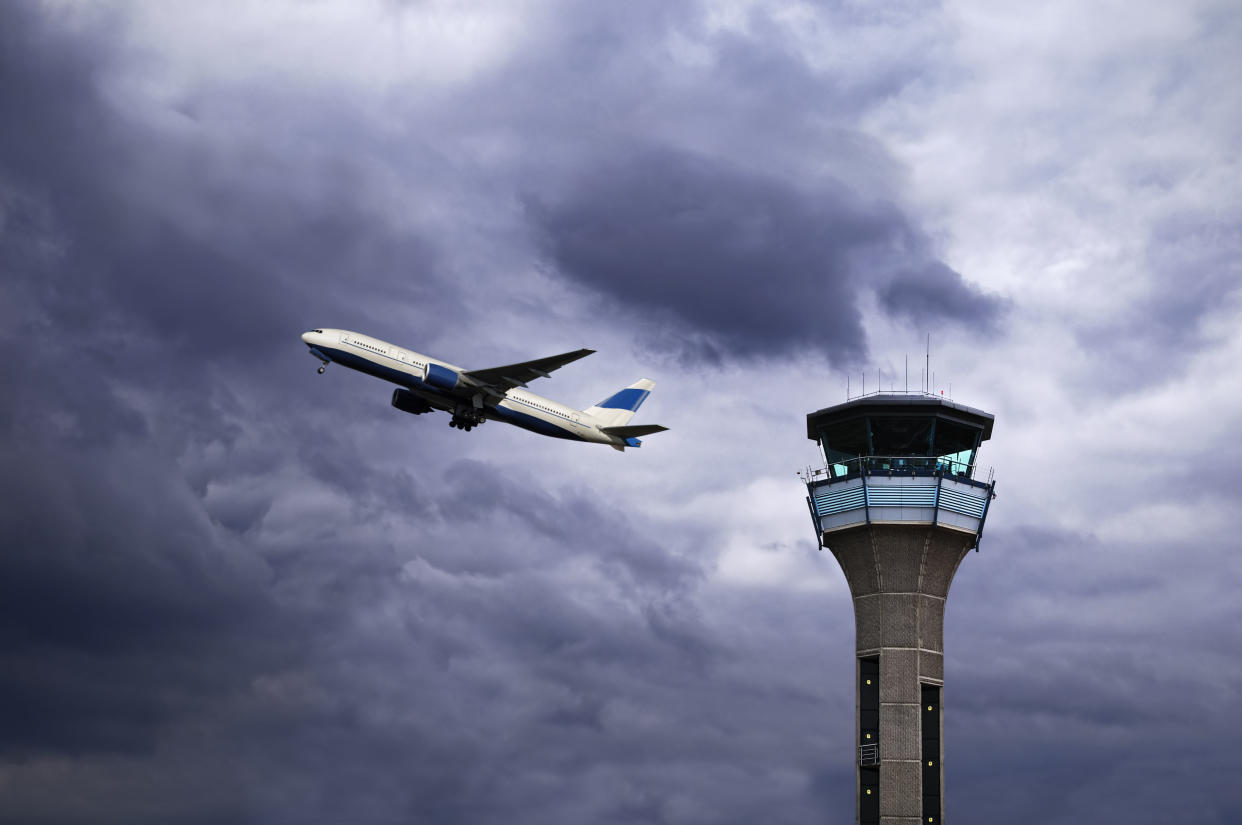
(407, 401)
(442, 377)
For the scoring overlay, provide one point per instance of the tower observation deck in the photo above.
(899, 503)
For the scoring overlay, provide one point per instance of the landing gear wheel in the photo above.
(466, 418)
(321, 369)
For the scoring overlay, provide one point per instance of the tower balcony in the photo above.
(911, 490)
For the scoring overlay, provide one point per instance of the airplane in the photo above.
(498, 394)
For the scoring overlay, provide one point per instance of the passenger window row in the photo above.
(545, 409)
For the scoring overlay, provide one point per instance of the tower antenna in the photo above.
(927, 370)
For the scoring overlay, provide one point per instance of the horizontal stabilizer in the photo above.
(634, 431)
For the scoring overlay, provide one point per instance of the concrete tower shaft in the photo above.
(899, 506)
(899, 578)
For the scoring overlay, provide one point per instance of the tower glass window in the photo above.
(955, 445)
(843, 443)
(899, 434)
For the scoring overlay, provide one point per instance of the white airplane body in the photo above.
(497, 394)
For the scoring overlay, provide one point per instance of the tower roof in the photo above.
(884, 404)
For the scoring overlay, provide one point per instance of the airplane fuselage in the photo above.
(444, 386)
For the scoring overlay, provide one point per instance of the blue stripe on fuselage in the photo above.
(533, 423)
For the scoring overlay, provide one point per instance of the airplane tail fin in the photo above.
(617, 409)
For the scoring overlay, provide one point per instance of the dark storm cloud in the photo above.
(229, 597)
(119, 230)
(565, 696)
(728, 263)
(1079, 668)
(124, 611)
(215, 586)
(347, 690)
(134, 269)
(933, 293)
(131, 607)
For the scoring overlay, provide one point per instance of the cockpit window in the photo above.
(319, 331)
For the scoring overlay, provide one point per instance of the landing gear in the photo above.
(321, 358)
(466, 418)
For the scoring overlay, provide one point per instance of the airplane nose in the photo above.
(306, 338)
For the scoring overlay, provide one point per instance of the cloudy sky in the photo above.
(234, 591)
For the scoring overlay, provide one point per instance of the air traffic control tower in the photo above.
(900, 504)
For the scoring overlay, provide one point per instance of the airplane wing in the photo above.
(516, 375)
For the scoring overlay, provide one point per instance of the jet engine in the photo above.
(407, 401)
(442, 377)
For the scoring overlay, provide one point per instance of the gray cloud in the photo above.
(233, 592)
(1118, 679)
(1191, 276)
(728, 263)
(117, 231)
(123, 607)
(932, 292)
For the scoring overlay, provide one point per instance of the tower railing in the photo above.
(869, 754)
(897, 465)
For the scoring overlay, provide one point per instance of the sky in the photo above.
(236, 591)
